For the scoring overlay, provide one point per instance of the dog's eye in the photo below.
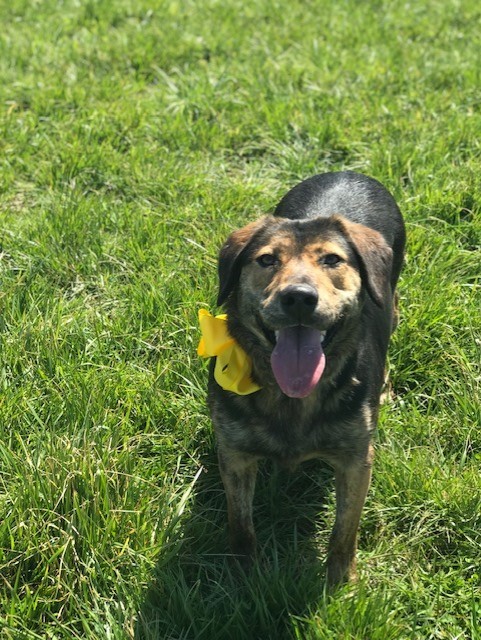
(331, 260)
(267, 260)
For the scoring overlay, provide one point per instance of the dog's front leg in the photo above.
(238, 472)
(352, 484)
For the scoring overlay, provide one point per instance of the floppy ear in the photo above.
(374, 256)
(230, 257)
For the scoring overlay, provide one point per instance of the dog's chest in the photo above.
(290, 431)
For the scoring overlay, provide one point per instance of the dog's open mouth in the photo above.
(298, 359)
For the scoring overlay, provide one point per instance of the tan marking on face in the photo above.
(259, 278)
(282, 248)
(320, 249)
(342, 277)
(294, 268)
(338, 286)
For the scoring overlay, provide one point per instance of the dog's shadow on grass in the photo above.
(199, 592)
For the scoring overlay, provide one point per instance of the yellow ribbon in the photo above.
(233, 367)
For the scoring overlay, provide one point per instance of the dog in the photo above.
(310, 296)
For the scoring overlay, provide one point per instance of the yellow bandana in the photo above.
(233, 367)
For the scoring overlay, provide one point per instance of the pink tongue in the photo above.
(298, 360)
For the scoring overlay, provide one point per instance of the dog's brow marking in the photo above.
(283, 248)
(328, 246)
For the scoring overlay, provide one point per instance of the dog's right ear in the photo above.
(231, 254)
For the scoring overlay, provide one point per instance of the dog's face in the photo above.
(295, 281)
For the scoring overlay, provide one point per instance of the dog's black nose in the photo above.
(299, 301)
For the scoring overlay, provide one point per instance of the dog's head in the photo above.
(294, 282)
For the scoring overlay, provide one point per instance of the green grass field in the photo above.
(134, 136)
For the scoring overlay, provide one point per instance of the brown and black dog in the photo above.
(310, 296)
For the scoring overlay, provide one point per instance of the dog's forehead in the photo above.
(298, 235)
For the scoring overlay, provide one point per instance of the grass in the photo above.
(134, 137)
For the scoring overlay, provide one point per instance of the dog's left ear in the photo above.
(374, 256)
(231, 254)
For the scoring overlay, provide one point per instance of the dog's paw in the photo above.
(340, 569)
